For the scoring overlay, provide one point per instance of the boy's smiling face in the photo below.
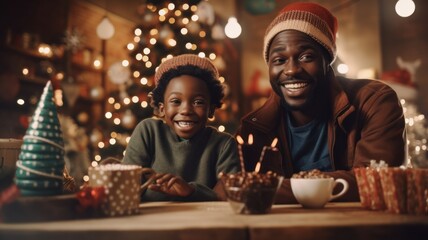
(186, 106)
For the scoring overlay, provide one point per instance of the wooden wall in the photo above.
(407, 38)
(86, 17)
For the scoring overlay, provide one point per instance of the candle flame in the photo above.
(239, 139)
(250, 139)
(257, 168)
(274, 142)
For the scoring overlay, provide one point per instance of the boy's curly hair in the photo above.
(215, 88)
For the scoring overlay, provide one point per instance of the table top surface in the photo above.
(216, 220)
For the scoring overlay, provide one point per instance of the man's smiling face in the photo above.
(297, 69)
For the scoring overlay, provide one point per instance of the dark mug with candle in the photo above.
(251, 192)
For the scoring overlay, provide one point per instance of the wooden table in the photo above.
(215, 220)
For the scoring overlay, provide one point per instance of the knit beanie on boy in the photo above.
(183, 60)
(309, 18)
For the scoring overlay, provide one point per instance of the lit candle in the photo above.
(262, 155)
(274, 142)
(241, 157)
(250, 139)
(239, 139)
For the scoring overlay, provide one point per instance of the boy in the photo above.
(184, 155)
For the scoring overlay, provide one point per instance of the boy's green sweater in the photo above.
(198, 161)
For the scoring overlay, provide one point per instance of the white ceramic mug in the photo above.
(316, 192)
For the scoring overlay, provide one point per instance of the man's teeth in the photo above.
(185, 124)
(295, 85)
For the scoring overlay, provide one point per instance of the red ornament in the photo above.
(8, 195)
(90, 197)
(400, 76)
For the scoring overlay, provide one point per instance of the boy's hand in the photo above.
(148, 177)
(172, 185)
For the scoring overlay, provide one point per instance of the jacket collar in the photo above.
(267, 117)
(342, 107)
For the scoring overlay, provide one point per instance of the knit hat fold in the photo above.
(183, 60)
(309, 18)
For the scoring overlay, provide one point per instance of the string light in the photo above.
(201, 54)
(125, 63)
(405, 8)
(343, 68)
(232, 28)
(221, 128)
(136, 74)
(154, 31)
(25, 71)
(135, 99)
(130, 46)
(172, 42)
(108, 115)
(163, 12)
(20, 101)
(195, 18)
(138, 32)
(144, 81)
(144, 104)
(45, 49)
(116, 121)
(117, 106)
(105, 29)
(86, 178)
(126, 101)
(139, 56)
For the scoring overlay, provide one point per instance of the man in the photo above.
(322, 121)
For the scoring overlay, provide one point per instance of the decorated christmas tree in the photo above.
(167, 28)
(417, 135)
(403, 81)
(41, 160)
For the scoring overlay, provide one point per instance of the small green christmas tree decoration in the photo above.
(40, 166)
